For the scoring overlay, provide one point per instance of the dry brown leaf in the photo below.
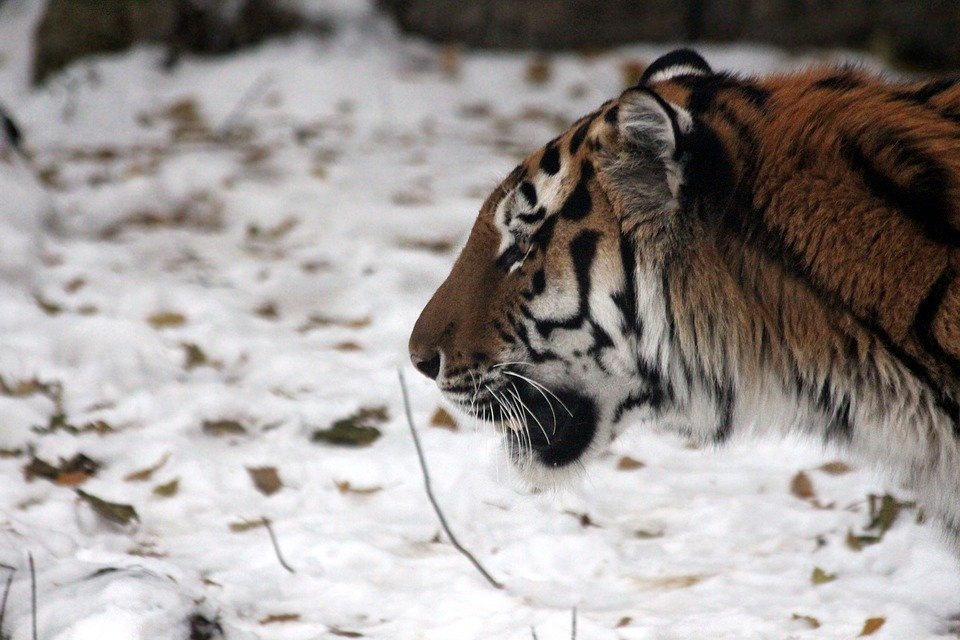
(72, 478)
(112, 511)
(268, 310)
(623, 622)
(166, 319)
(810, 621)
(538, 70)
(430, 245)
(819, 576)
(69, 473)
(344, 486)
(802, 487)
(167, 489)
(265, 479)
(223, 428)
(245, 525)
(442, 419)
(672, 582)
(347, 345)
(343, 633)
(644, 534)
(835, 468)
(626, 463)
(274, 618)
(145, 474)
(871, 626)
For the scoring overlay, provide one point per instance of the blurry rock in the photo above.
(916, 33)
(71, 29)
(540, 24)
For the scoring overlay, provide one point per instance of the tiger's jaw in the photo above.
(549, 430)
(555, 434)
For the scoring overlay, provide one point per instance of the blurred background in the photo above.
(912, 34)
(219, 221)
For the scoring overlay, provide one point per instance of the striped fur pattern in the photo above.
(720, 256)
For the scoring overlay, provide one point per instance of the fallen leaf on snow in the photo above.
(265, 479)
(223, 428)
(802, 487)
(810, 621)
(194, 356)
(343, 633)
(671, 582)
(344, 486)
(626, 463)
(69, 473)
(857, 543)
(112, 511)
(356, 430)
(440, 246)
(884, 511)
(245, 525)
(623, 622)
(819, 576)
(166, 319)
(443, 420)
(835, 468)
(167, 489)
(274, 618)
(871, 626)
(145, 474)
(644, 534)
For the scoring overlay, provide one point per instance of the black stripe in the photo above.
(578, 136)
(626, 298)
(579, 203)
(927, 315)
(725, 398)
(583, 250)
(926, 92)
(677, 58)
(532, 217)
(705, 89)
(510, 255)
(923, 200)
(839, 425)
(550, 162)
(839, 82)
(529, 192)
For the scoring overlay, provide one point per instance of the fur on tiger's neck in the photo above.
(779, 317)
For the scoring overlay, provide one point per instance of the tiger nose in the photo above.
(427, 363)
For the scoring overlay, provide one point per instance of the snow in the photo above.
(295, 253)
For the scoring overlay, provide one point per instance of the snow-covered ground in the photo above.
(202, 304)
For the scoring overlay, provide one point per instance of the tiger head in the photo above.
(552, 323)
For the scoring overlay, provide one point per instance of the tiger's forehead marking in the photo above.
(552, 181)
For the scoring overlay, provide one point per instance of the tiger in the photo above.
(720, 255)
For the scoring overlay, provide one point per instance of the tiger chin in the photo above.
(722, 256)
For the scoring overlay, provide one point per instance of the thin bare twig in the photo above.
(433, 501)
(33, 595)
(276, 547)
(533, 634)
(573, 624)
(6, 592)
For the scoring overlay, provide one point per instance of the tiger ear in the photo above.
(681, 62)
(654, 130)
